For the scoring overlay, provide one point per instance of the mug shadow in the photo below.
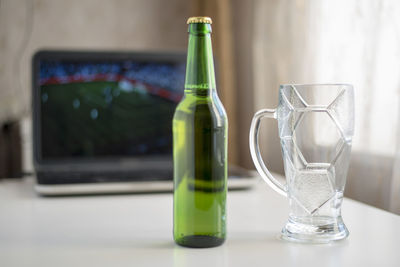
(275, 238)
(255, 238)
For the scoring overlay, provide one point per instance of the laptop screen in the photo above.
(111, 108)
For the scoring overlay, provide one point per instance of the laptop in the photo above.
(102, 122)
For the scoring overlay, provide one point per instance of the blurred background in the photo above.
(258, 45)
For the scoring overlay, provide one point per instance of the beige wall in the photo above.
(29, 25)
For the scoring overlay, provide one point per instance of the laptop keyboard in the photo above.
(111, 177)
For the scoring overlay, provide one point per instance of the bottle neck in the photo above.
(200, 76)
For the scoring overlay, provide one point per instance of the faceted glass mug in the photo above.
(316, 126)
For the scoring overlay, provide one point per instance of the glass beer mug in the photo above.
(316, 126)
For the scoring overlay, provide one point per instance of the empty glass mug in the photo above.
(316, 126)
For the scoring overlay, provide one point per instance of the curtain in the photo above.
(344, 41)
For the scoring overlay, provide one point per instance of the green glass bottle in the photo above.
(200, 132)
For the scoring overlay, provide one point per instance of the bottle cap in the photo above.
(199, 20)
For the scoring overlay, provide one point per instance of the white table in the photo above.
(136, 230)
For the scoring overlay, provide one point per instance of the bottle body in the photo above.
(200, 161)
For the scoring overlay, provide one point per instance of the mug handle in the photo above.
(255, 151)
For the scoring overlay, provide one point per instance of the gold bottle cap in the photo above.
(199, 20)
